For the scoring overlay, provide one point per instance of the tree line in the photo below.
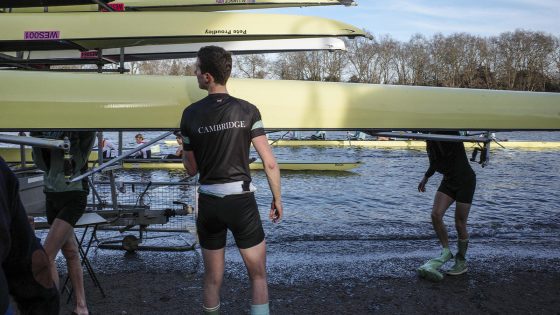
(521, 60)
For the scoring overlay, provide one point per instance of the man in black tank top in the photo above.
(458, 185)
(217, 133)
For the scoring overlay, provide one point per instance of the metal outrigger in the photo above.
(483, 139)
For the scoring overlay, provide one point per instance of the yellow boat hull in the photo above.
(412, 144)
(41, 100)
(180, 5)
(13, 155)
(94, 30)
(257, 165)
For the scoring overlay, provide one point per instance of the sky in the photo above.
(403, 18)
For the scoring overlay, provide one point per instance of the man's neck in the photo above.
(217, 89)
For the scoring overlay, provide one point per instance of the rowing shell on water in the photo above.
(410, 144)
(285, 165)
(401, 144)
(13, 155)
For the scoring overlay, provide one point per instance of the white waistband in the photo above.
(226, 189)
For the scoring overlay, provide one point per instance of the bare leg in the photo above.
(255, 261)
(441, 204)
(59, 233)
(461, 216)
(76, 273)
(213, 276)
(429, 270)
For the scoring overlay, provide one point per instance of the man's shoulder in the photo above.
(193, 106)
(243, 103)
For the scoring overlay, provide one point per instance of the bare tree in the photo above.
(251, 66)
(363, 60)
(288, 66)
(333, 64)
(438, 69)
(418, 52)
(386, 51)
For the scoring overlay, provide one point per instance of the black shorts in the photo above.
(238, 213)
(68, 206)
(461, 189)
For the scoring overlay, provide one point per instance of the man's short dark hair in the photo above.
(216, 61)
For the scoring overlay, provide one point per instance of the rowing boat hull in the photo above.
(43, 100)
(13, 155)
(411, 144)
(158, 52)
(93, 30)
(180, 5)
(257, 165)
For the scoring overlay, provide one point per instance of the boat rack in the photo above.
(143, 206)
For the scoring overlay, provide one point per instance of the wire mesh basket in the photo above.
(162, 205)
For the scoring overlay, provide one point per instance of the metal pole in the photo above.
(120, 142)
(100, 147)
(35, 142)
(435, 137)
(22, 157)
(122, 157)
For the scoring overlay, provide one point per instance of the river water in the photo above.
(374, 219)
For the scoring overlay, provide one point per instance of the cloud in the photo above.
(455, 11)
(475, 17)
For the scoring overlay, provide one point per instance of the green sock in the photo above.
(211, 310)
(462, 246)
(260, 309)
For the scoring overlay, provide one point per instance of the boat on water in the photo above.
(285, 165)
(412, 144)
(401, 144)
(13, 155)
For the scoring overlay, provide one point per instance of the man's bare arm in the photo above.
(272, 174)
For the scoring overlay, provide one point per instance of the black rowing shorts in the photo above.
(238, 213)
(461, 189)
(68, 206)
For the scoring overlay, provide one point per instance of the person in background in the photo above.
(357, 135)
(294, 135)
(145, 153)
(66, 202)
(24, 266)
(179, 152)
(458, 185)
(108, 148)
(319, 135)
(217, 134)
